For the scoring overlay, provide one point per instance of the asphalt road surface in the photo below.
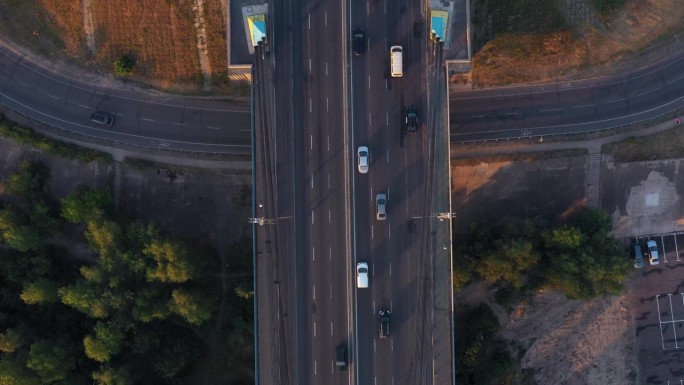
(146, 119)
(578, 106)
(325, 104)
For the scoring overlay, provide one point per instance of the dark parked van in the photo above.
(359, 41)
(638, 256)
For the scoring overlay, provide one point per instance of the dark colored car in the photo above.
(638, 256)
(359, 41)
(384, 323)
(100, 117)
(411, 120)
(341, 358)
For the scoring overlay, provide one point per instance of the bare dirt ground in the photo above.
(178, 46)
(565, 342)
(643, 32)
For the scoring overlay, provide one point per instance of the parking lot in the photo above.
(657, 297)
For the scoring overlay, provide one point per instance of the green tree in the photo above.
(508, 261)
(30, 182)
(87, 204)
(42, 291)
(583, 261)
(84, 297)
(10, 341)
(192, 306)
(14, 372)
(149, 304)
(172, 261)
(106, 342)
(105, 237)
(124, 65)
(50, 360)
(17, 232)
(110, 376)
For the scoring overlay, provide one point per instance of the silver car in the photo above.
(652, 252)
(381, 207)
(363, 156)
(362, 275)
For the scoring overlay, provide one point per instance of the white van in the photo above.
(396, 61)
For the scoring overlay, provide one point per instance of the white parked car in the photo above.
(363, 156)
(652, 252)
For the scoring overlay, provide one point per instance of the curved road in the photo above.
(568, 107)
(143, 119)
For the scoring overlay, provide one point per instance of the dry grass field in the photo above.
(161, 35)
(640, 33)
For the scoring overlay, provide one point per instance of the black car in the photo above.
(341, 358)
(100, 117)
(359, 41)
(384, 323)
(411, 120)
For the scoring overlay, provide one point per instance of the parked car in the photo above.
(384, 323)
(652, 252)
(363, 158)
(638, 256)
(100, 117)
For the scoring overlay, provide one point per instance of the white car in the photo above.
(381, 207)
(362, 275)
(652, 252)
(363, 156)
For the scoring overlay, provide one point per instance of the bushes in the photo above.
(27, 136)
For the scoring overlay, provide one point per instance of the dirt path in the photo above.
(89, 25)
(202, 50)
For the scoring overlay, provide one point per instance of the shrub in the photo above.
(124, 65)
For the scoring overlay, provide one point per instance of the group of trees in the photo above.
(577, 257)
(140, 311)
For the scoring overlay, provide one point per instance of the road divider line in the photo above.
(53, 96)
(330, 258)
(313, 250)
(312, 217)
(184, 124)
(584, 105)
(328, 180)
(387, 119)
(329, 216)
(331, 329)
(310, 142)
(325, 15)
(81, 105)
(369, 82)
(615, 101)
(370, 119)
(213, 128)
(314, 328)
(549, 110)
(312, 186)
(313, 290)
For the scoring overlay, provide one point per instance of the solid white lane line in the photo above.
(309, 21)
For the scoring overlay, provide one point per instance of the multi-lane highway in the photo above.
(325, 103)
(567, 107)
(145, 119)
